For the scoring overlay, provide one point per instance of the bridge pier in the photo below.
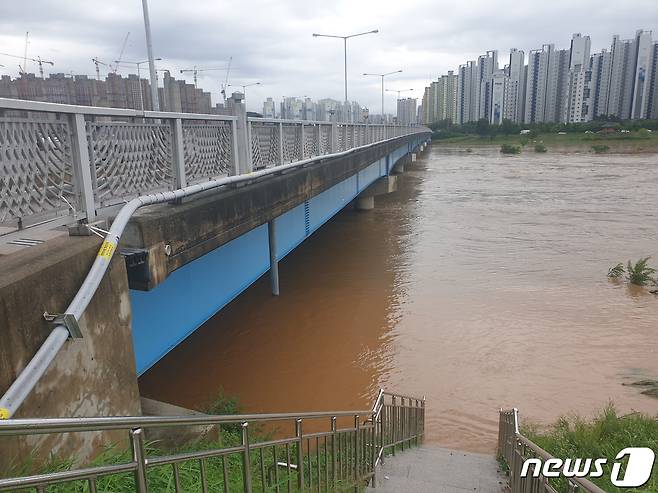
(384, 185)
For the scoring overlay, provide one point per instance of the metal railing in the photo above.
(63, 163)
(342, 451)
(515, 449)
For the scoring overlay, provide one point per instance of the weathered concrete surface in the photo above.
(195, 228)
(92, 376)
(383, 186)
(174, 436)
(438, 470)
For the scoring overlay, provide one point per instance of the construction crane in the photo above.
(97, 62)
(196, 70)
(123, 48)
(25, 59)
(225, 84)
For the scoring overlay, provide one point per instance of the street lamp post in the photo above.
(382, 76)
(244, 87)
(149, 50)
(398, 91)
(345, 38)
(139, 81)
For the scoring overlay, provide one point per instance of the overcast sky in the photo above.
(270, 41)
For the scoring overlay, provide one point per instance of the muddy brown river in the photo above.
(480, 284)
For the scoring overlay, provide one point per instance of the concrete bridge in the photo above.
(260, 188)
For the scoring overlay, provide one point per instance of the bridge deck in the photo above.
(438, 470)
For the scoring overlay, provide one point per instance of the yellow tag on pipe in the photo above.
(107, 249)
(4, 413)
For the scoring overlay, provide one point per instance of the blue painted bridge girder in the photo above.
(166, 315)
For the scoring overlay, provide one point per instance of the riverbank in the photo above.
(620, 143)
(604, 436)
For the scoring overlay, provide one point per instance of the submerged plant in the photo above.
(540, 147)
(510, 149)
(600, 149)
(640, 274)
(617, 271)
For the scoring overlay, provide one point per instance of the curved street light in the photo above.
(244, 87)
(345, 38)
(382, 76)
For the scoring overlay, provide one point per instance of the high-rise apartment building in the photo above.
(269, 108)
(406, 111)
(515, 88)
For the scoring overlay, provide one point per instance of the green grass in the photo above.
(604, 436)
(600, 149)
(616, 271)
(540, 148)
(617, 142)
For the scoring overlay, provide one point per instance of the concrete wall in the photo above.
(92, 376)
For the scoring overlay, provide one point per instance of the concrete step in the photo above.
(430, 469)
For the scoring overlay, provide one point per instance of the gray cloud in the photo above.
(271, 42)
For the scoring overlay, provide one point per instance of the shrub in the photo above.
(617, 271)
(540, 148)
(510, 149)
(600, 149)
(640, 274)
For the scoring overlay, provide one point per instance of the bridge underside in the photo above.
(203, 254)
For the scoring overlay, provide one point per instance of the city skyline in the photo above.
(285, 57)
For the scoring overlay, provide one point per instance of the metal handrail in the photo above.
(348, 455)
(515, 448)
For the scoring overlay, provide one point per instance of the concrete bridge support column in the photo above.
(274, 263)
(366, 199)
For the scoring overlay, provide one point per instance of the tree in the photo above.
(482, 128)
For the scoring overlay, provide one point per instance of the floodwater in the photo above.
(480, 284)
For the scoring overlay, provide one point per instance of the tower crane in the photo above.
(196, 70)
(123, 48)
(37, 59)
(97, 62)
(225, 84)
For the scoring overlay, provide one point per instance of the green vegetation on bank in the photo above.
(603, 437)
(596, 136)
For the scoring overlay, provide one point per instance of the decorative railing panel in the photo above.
(325, 139)
(292, 142)
(311, 140)
(129, 159)
(207, 150)
(36, 171)
(265, 144)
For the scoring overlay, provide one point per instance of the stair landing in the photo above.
(437, 470)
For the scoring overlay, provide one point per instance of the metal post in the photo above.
(82, 165)
(300, 454)
(357, 426)
(243, 144)
(334, 137)
(149, 49)
(280, 143)
(318, 127)
(394, 423)
(274, 263)
(178, 153)
(334, 435)
(246, 460)
(303, 150)
(345, 45)
(235, 169)
(373, 455)
(137, 446)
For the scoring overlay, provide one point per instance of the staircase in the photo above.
(430, 469)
